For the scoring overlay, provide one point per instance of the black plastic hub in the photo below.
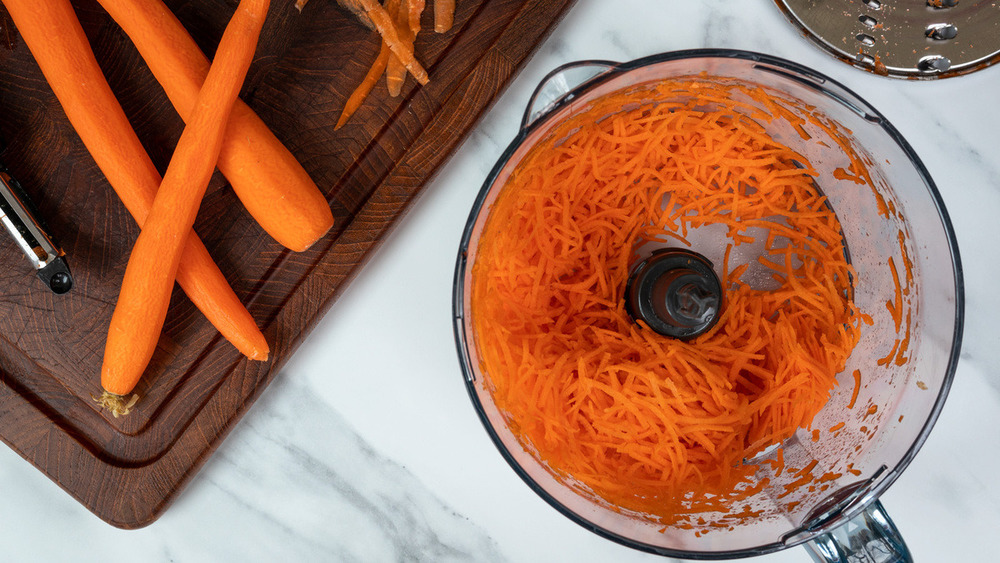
(675, 292)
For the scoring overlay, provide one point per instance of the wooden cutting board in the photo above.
(128, 470)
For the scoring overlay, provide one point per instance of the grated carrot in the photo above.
(857, 388)
(896, 307)
(904, 344)
(892, 353)
(907, 262)
(646, 422)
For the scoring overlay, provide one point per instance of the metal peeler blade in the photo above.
(21, 222)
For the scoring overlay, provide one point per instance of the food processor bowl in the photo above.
(906, 280)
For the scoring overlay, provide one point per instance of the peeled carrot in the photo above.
(646, 422)
(896, 306)
(267, 178)
(384, 23)
(145, 294)
(444, 15)
(361, 92)
(67, 61)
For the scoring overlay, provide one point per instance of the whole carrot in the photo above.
(55, 38)
(145, 294)
(267, 178)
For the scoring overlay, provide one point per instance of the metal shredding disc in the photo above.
(903, 38)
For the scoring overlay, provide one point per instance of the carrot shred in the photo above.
(857, 388)
(829, 476)
(397, 23)
(896, 308)
(645, 422)
(907, 262)
(892, 353)
(904, 344)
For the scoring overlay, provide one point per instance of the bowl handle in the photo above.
(869, 536)
(558, 87)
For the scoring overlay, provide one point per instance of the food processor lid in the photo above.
(916, 39)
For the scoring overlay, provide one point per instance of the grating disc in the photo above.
(903, 38)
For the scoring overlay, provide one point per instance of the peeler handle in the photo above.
(31, 236)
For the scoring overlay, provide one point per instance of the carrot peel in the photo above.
(396, 71)
(363, 89)
(444, 15)
(386, 27)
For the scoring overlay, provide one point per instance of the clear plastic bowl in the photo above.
(871, 450)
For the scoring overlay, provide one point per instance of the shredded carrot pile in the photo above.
(646, 422)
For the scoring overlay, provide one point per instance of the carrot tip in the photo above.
(119, 405)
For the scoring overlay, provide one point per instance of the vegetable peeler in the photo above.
(31, 236)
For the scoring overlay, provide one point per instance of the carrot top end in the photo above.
(118, 405)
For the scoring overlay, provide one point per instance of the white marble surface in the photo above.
(362, 452)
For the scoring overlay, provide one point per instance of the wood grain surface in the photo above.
(198, 385)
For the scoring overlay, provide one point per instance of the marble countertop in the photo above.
(365, 452)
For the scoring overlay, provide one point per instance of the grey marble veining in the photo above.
(298, 469)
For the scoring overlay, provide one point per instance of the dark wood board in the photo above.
(128, 470)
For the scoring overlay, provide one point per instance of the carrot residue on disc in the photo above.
(646, 422)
